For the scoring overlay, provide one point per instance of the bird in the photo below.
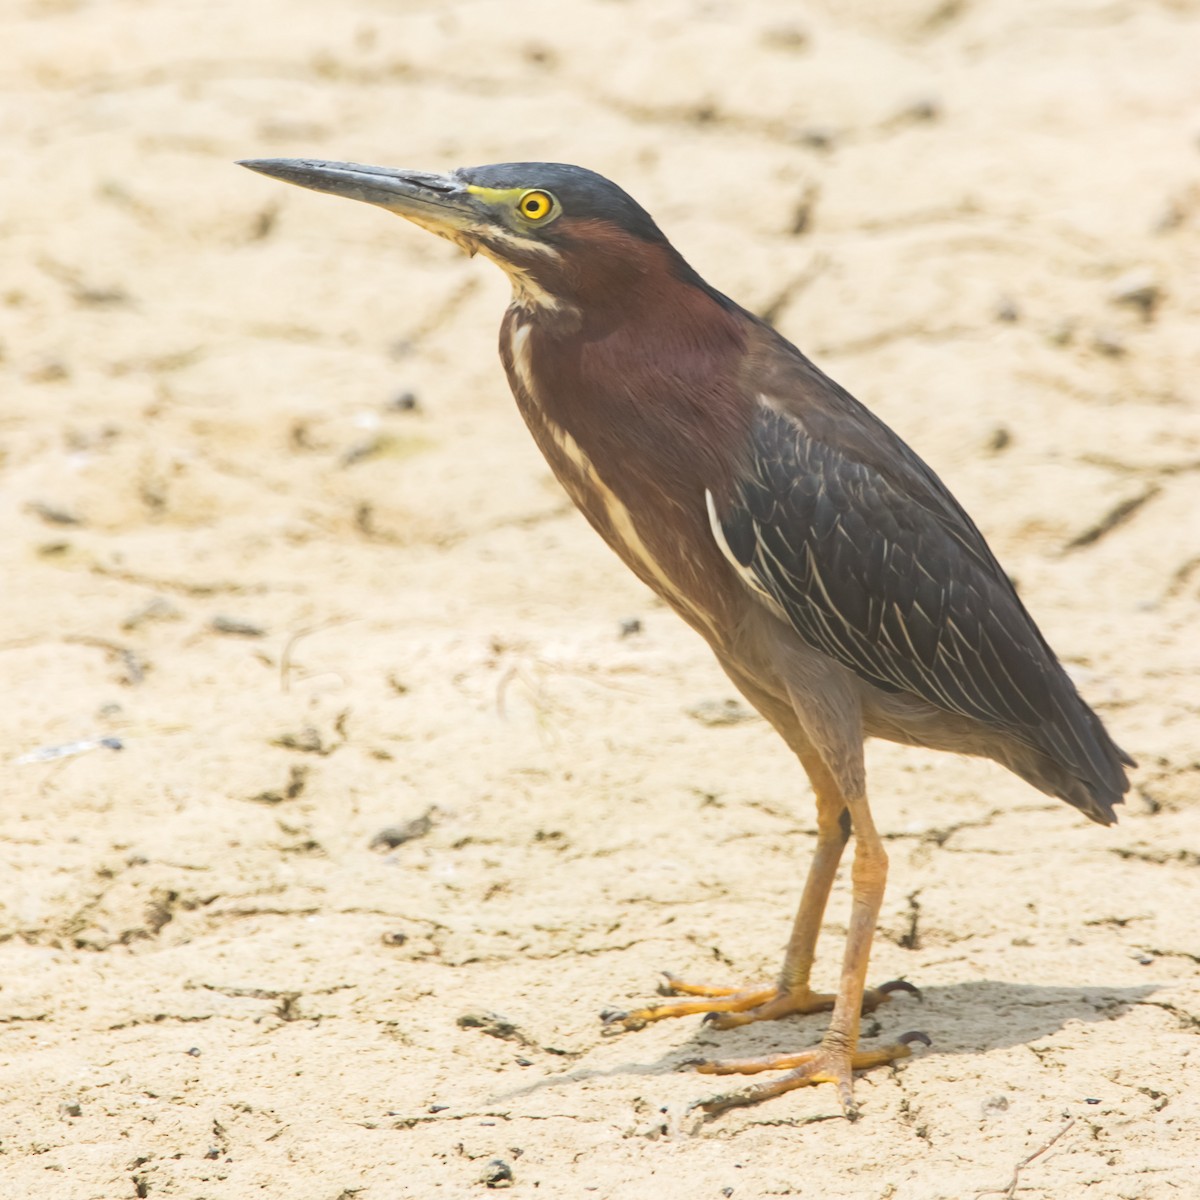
(842, 588)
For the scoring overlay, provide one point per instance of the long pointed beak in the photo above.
(439, 203)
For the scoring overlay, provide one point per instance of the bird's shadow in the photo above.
(961, 1018)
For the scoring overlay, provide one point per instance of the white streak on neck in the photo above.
(527, 292)
(519, 341)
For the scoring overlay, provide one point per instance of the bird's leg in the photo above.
(833, 832)
(837, 1057)
(725, 1007)
(793, 993)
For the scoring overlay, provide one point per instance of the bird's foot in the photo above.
(822, 1064)
(727, 1007)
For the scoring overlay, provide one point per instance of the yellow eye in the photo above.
(535, 206)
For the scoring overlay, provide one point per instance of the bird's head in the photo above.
(560, 232)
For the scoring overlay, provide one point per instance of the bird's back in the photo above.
(849, 535)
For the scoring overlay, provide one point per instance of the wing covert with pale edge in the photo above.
(873, 563)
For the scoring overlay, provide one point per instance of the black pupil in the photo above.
(533, 205)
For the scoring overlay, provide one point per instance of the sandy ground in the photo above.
(270, 519)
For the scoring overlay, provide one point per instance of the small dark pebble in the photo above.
(801, 222)
(52, 514)
(630, 626)
(157, 609)
(308, 741)
(1176, 211)
(437, 1108)
(1062, 332)
(1105, 342)
(727, 1192)
(524, 1062)
(539, 56)
(497, 1174)
(52, 370)
(101, 296)
(397, 835)
(213, 1152)
(237, 627)
(297, 781)
(194, 1051)
(395, 938)
(1138, 290)
(263, 223)
(371, 447)
(494, 1025)
(815, 137)
(1000, 439)
(923, 108)
(720, 712)
(792, 38)
(1007, 311)
(1091, 1100)
(74, 1109)
(404, 402)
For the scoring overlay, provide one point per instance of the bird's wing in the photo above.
(838, 526)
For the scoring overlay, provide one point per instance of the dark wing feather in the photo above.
(839, 526)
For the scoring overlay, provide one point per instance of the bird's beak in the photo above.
(439, 203)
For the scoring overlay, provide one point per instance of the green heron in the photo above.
(843, 589)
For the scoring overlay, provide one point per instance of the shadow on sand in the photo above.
(961, 1018)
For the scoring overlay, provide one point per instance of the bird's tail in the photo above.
(1093, 778)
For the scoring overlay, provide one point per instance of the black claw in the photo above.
(714, 1106)
(618, 1021)
(900, 985)
(915, 1035)
(709, 1018)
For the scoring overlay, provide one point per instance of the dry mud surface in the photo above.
(311, 609)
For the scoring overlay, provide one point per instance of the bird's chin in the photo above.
(468, 243)
(465, 239)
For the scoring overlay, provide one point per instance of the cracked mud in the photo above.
(310, 608)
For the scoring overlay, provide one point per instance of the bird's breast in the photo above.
(638, 540)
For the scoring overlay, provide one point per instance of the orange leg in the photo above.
(837, 1057)
(727, 1007)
